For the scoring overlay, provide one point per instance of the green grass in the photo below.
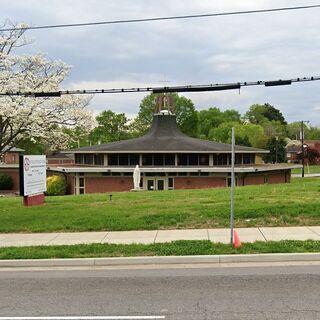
(176, 248)
(296, 203)
(307, 169)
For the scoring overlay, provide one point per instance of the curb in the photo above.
(163, 260)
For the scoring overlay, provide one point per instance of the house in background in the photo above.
(11, 156)
(168, 159)
(293, 150)
(59, 158)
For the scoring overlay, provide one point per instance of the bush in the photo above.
(6, 182)
(56, 186)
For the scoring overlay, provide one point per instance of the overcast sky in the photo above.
(240, 48)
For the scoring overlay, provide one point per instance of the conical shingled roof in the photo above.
(165, 136)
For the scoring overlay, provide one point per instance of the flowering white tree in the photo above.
(29, 117)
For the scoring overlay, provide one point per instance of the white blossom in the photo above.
(38, 118)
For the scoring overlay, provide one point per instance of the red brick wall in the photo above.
(11, 157)
(107, 184)
(14, 174)
(253, 180)
(198, 183)
(277, 177)
(70, 184)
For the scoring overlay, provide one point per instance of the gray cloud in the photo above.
(224, 49)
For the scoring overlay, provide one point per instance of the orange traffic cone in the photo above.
(236, 239)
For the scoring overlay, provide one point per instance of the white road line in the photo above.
(86, 318)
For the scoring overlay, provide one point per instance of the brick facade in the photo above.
(253, 179)
(11, 157)
(115, 184)
(108, 184)
(198, 183)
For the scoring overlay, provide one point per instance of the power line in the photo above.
(193, 16)
(188, 88)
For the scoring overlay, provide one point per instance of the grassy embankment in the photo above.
(176, 248)
(297, 203)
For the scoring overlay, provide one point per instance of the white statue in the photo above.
(136, 178)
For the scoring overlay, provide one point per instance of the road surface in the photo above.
(281, 292)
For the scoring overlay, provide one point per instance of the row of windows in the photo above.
(91, 159)
(159, 174)
(225, 159)
(162, 159)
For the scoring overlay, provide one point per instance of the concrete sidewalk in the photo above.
(158, 236)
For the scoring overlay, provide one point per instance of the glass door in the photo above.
(150, 184)
(160, 184)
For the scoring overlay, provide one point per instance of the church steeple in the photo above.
(164, 102)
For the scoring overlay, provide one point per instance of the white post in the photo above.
(232, 186)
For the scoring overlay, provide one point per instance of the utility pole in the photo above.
(302, 146)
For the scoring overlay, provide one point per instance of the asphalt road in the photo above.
(290, 292)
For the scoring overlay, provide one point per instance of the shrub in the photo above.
(56, 185)
(6, 182)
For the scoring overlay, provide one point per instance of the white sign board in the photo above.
(34, 175)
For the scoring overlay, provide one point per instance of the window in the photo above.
(79, 158)
(147, 159)
(182, 159)
(113, 159)
(238, 159)
(169, 159)
(88, 159)
(170, 183)
(81, 183)
(123, 159)
(193, 159)
(220, 159)
(158, 159)
(248, 158)
(134, 159)
(203, 159)
(99, 159)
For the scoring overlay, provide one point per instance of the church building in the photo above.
(168, 160)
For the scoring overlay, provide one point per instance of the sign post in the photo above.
(32, 171)
(232, 187)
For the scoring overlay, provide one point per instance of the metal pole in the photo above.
(232, 186)
(302, 150)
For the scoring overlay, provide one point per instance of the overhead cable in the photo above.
(165, 89)
(191, 16)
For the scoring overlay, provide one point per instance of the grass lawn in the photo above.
(176, 248)
(307, 169)
(295, 203)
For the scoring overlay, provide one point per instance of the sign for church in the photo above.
(32, 175)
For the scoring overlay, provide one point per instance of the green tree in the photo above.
(213, 117)
(111, 127)
(78, 137)
(277, 148)
(187, 118)
(245, 134)
(258, 113)
(313, 133)
(294, 129)
(254, 133)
